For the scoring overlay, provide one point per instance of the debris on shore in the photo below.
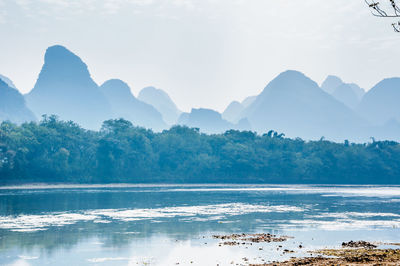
(345, 256)
(351, 253)
(358, 244)
(243, 239)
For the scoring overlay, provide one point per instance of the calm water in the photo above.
(166, 225)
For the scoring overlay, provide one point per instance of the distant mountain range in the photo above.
(233, 111)
(162, 102)
(124, 105)
(12, 105)
(381, 103)
(291, 103)
(7, 81)
(295, 105)
(65, 88)
(345, 94)
(210, 121)
(348, 93)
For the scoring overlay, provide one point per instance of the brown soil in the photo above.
(345, 256)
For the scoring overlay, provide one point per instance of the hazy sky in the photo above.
(204, 53)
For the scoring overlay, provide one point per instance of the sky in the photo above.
(203, 53)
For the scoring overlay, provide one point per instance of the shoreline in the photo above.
(152, 185)
(350, 253)
(345, 256)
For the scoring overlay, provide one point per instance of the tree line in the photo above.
(57, 151)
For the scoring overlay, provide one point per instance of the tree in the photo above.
(389, 9)
(61, 151)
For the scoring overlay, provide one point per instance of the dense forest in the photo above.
(57, 151)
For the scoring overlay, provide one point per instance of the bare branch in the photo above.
(377, 11)
(396, 26)
(392, 10)
(395, 7)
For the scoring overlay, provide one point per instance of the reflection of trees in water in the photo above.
(119, 234)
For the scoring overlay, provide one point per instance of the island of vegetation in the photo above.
(56, 151)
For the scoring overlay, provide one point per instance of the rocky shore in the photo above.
(350, 253)
(345, 256)
(243, 239)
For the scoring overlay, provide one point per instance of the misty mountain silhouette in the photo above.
(291, 103)
(345, 94)
(331, 83)
(360, 92)
(295, 105)
(7, 81)
(65, 88)
(210, 121)
(125, 105)
(160, 100)
(381, 103)
(233, 111)
(12, 105)
(249, 100)
(348, 93)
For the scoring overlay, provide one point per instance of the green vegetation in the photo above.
(59, 151)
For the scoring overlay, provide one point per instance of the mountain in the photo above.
(388, 131)
(162, 102)
(345, 94)
(360, 92)
(12, 105)
(348, 93)
(8, 81)
(243, 125)
(125, 105)
(381, 103)
(65, 88)
(249, 100)
(210, 121)
(295, 105)
(331, 83)
(233, 111)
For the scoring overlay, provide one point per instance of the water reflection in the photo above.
(160, 225)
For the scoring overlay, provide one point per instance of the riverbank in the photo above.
(346, 256)
(350, 253)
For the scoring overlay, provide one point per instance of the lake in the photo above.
(171, 224)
